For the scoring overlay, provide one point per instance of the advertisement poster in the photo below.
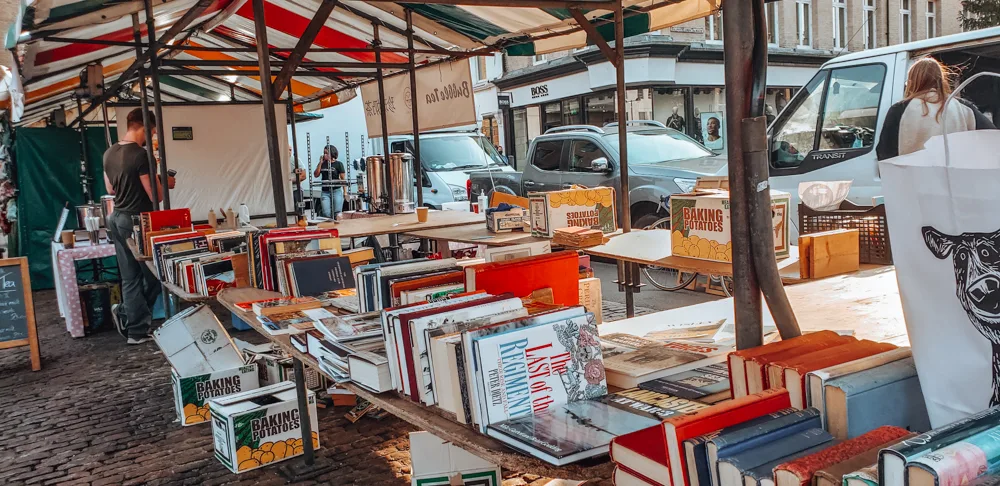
(713, 131)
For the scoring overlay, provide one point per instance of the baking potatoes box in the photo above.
(259, 427)
(701, 225)
(588, 208)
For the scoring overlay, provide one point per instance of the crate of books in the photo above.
(205, 363)
(259, 427)
(588, 208)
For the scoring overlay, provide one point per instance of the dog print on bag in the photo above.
(976, 257)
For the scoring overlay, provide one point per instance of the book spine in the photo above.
(961, 461)
(776, 421)
(775, 449)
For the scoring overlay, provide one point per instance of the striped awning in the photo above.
(52, 66)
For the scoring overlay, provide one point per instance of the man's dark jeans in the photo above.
(140, 288)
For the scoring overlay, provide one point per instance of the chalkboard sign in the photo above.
(17, 313)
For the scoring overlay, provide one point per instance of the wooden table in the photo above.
(474, 235)
(403, 223)
(171, 292)
(134, 248)
(430, 419)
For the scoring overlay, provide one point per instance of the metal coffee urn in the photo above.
(401, 179)
(378, 197)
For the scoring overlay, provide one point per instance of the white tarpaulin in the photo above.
(226, 162)
(444, 100)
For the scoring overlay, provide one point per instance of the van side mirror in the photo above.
(599, 164)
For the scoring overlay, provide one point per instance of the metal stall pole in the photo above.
(377, 44)
(137, 35)
(271, 130)
(87, 194)
(417, 168)
(300, 204)
(154, 68)
(631, 273)
(107, 125)
(754, 268)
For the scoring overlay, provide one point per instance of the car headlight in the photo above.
(685, 185)
(458, 193)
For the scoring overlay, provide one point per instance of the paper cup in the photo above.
(422, 214)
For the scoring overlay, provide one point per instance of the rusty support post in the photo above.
(154, 68)
(271, 132)
(417, 166)
(137, 35)
(619, 64)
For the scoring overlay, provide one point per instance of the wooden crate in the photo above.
(829, 253)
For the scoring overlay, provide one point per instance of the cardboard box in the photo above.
(260, 427)
(205, 363)
(589, 208)
(701, 225)
(436, 462)
(275, 367)
(506, 221)
(192, 393)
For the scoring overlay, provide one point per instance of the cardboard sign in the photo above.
(444, 99)
(17, 312)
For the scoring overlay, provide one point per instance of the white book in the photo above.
(816, 380)
(430, 294)
(505, 253)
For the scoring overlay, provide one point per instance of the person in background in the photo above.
(298, 175)
(920, 114)
(127, 177)
(330, 169)
(502, 156)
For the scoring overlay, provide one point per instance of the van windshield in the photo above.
(459, 152)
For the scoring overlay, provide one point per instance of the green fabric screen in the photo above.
(48, 176)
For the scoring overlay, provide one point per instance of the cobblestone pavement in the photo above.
(100, 412)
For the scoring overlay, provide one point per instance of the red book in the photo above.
(169, 218)
(643, 452)
(398, 288)
(623, 476)
(800, 471)
(725, 414)
(557, 271)
(738, 360)
(791, 374)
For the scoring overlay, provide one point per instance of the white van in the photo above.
(829, 129)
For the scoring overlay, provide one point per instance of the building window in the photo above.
(713, 27)
(931, 19)
(840, 36)
(904, 21)
(538, 59)
(803, 22)
(571, 113)
(600, 108)
(478, 69)
(551, 116)
(871, 20)
(771, 14)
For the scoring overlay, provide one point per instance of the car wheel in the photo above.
(646, 220)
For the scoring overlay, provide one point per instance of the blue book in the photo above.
(856, 403)
(764, 475)
(698, 471)
(957, 463)
(732, 468)
(767, 428)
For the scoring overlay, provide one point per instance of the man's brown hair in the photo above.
(135, 119)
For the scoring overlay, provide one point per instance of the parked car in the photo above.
(661, 162)
(448, 158)
(829, 129)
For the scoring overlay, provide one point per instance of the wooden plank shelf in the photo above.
(430, 419)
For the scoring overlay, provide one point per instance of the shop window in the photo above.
(837, 110)
(709, 117)
(491, 130)
(479, 69)
(547, 155)
(670, 108)
(871, 21)
(551, 116)
(571, 114)
(638, 105)
(600, 108)
(582, 155)
(520, 116)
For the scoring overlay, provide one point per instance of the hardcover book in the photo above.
(816, 380)
(737, 360)
(800, 471)
(857, 403)
(569, 432)
(526, 371)
(629, 369)
(957, 463)
(792, 374)
(763, 475)
(523, 276)
(892, 459)
(752, 433)
(731, 469)
(320, 275)
(652, 404)
(708, 384)
(833, 475)
(645, 452)
(758, 377)
(623, 476)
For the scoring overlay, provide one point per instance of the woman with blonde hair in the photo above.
(921, 115)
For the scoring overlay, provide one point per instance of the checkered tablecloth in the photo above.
(64, 275)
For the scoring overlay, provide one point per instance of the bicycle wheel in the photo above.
(725, 282)
(667, 279)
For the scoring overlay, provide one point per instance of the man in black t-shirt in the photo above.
(127, 177)
(331, 169)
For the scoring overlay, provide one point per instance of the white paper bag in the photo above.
(944, 222)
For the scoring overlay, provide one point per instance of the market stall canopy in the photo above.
(59, 38)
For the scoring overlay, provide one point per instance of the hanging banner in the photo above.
(444, 100)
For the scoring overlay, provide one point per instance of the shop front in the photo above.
(678, 84)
